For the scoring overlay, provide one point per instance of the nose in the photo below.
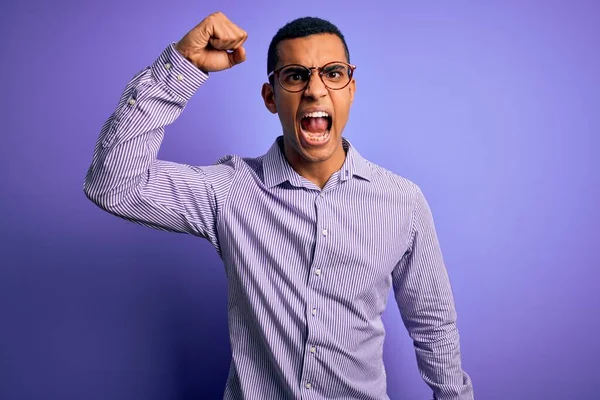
(315, 87)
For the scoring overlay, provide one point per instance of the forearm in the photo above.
(439, 360)
(129, 141)
(430, 318)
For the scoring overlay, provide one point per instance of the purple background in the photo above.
(492, 108)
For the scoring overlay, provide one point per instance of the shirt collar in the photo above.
(277, 169)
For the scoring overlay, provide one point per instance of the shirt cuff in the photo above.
(177, 73)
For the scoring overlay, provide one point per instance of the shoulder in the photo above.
(231, 166)
(390, 180)
(231, 163)
(405, 193)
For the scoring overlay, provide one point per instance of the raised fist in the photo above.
(214, 44)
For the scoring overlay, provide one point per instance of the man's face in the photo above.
(311, 140)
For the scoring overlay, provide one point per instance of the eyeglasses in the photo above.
(294, 78)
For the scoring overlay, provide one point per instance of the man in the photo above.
(312, 235)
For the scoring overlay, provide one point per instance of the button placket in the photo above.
(314, 307)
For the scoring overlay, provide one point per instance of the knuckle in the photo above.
(215, 16)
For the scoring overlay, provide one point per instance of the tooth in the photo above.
(316, 114)
(318, 137)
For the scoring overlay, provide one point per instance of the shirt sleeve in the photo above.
(125, 177)
(424, 296)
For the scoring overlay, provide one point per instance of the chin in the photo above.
(316, 150)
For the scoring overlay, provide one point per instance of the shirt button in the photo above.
(179, 77)
(324, 232)
(131, 101)
(313, 349)
(314, 311)
(168, 66)
(318, 271)
(308, 385)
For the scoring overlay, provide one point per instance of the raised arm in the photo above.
(125, 178)
(424, 296)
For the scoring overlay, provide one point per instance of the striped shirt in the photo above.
(309, 270)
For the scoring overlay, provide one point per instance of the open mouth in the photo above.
(316, 127)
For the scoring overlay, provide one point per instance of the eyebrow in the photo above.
(335, 66)
(294, 67)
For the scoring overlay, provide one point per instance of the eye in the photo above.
(294, 75)
(335, 72)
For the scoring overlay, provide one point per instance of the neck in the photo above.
(316, 172)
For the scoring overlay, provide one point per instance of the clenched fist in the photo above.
(214, 44)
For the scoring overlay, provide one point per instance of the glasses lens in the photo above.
(336, 75)
(294, 77)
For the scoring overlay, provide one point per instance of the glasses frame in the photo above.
(319, 70)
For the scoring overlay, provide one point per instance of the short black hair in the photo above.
(302, 27)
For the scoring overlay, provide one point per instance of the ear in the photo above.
(268, 96)
(352, 89)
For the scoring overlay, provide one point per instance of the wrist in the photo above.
(181, 50)
(185, 53)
